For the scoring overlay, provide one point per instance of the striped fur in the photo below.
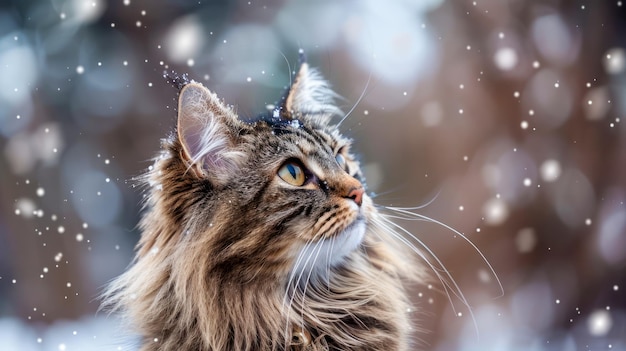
(233, 258)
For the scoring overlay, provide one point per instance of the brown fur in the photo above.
(215, 267)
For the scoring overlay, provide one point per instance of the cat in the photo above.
(259, 234)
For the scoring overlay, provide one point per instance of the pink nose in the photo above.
(356, 194)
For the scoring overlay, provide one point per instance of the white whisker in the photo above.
(297, 282)
(435, 269)
(426, 218)
(328, 260)
(358, 101)
(294, 271)
(406, 218)
(306, 262)
(318, 247)
(289, 289)
(290, 74)
(419, 207)
(456, 290)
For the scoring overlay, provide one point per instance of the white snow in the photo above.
(615, 61)
(599, 323)
(550, 170)
(495, 211)
(184, 39)
(85, 334)
(505, 58)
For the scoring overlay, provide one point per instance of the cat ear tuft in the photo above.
(310, 94)
(204, 129)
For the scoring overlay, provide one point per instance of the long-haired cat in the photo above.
(259, 235)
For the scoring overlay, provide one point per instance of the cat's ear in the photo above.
(310, 96)
(205, 130)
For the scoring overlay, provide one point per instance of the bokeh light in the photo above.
(501, 119)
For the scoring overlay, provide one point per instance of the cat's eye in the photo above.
(342, 162)
(292, 173)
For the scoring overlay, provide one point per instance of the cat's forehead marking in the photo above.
(321, 138)
(304, 136)
(318, 150)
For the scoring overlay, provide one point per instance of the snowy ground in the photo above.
(85, 334)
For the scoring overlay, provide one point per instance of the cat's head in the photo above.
(265, 197)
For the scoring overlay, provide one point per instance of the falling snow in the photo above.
(599, 323)
(496, 121)
(550, 170)
(506, 58)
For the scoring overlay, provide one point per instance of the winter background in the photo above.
(505, 118)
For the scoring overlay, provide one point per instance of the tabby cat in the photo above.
(258, 235)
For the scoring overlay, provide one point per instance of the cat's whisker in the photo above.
(406, 218)
(318, 247)
(434, 268)
(417, 216)
(294, 271)
(305, 266)
(447, 288)
(446, 284)
(291, 290)
(289, 73)
(328, 260)
(455, 289)
(358, 101)
(297, 282)
(418, 207)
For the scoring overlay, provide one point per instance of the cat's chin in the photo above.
(348, 240)
(317, 259)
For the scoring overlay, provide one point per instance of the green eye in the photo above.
(292, 173)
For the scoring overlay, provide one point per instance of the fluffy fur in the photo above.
(232, 257)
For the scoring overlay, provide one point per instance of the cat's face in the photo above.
(283, 193)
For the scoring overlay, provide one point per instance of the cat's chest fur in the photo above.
(259, 235)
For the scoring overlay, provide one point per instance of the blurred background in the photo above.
(505, 118)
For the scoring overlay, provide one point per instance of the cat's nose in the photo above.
(356, 194)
